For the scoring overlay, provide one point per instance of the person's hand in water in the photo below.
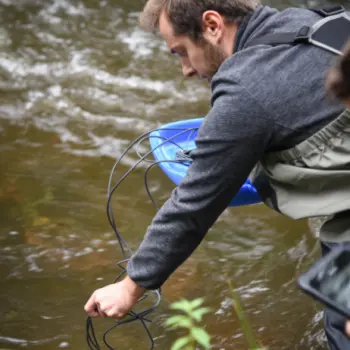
(114, 300)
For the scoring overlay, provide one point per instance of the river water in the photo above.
(78, 81)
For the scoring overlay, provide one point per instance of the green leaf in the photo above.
(180, 343)
(178, 321)
(198, 314)
(183, 305)
(201, 336)
(196, 303)
(186, 305)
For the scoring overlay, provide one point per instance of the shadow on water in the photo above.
(78, 81)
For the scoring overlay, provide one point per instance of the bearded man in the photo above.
(268, 107)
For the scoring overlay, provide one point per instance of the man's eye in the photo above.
(180, 53)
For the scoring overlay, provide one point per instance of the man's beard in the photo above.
(214, 58)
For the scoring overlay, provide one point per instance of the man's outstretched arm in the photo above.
(230, 142)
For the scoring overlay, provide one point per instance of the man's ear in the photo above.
(213, 27)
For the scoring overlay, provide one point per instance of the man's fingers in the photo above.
(94, 313)
(113, 313)
(91, 307)
(100, 311)
(114, 301)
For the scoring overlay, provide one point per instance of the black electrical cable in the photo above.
(146, 173)
(91, 338)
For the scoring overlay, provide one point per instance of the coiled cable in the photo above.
(132, 316)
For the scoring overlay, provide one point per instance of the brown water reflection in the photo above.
(78, 82)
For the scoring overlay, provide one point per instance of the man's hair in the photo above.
(338, 80)
(186, 15)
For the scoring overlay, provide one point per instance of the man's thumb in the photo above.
(91, 307)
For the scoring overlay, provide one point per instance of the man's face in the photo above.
(197, 59)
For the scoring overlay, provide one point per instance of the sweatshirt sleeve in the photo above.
(231, 140)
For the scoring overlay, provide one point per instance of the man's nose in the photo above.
(188, 71)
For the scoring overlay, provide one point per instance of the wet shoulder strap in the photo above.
(329, 33)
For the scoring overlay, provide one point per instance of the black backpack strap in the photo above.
(283, 38)
(331, 33)
(330, 10)
(303, 35)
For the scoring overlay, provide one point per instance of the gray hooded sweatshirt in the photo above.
(264, 99)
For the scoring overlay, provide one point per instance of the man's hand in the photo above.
(114, 300)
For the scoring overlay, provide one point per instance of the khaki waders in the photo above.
(312, 179)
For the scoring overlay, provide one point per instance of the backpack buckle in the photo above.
(303, 35)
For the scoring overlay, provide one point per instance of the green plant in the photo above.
(193, 313)
(237, 306)
(197, 335)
